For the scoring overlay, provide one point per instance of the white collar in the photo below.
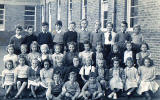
(18, 36)
(58, 31)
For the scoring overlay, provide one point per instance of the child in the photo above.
(71, 34)
(87, 53)
(70, 54)
(92, 89)
(83, 35)
(116, 77)
(24, 51)
(71, 88)
(131, 76)
(8, 78)
(58, 34)
(34, 52)
(31, 36)
(46, 73)
(137, 37)
(11, 55)
(86, 69)
(97, 35)
(34, 77)
(144, 53)
(45, 37)
(17, 39)
(57, 54)
(45, 52)
(147, 78)
(129, 52)
(21, 76)
(55, 88)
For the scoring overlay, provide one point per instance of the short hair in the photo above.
(19, 27)
(87, 42)
(144, 43)
(93, 74)
(72, 74)
(44, 46)
(57, 45)
(84, 20)
(115, 59)
(45, 24)
(72, 23)
(5, 64)
(76, 57)
(10, 46)
(137, 26)
(114, 45)
(109, 23)
(125, 23)
(22, 57)
(130, 59)
(24, 45)
(71, 43)
(46, 60)
(151, 61)
(34, 43)
(128, 42)
(30, 27)
(59, 22)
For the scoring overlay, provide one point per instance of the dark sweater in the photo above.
(70, 36)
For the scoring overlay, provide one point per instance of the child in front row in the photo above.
(71, 88)
(8, 78)
(92, 88)
(147, 82)
(131, 76)
(21, 76)
(116, 79)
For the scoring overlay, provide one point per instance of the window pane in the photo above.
(29, 13)
(29, 22)
(134, 2)
(70, 5)
(1, 16)
(105, 24)
(134, 11)
(28, 17)
(1, 12)
(1, 21)
(133, 22)
(1, 6)
(29, 8)
(105, 14)
(85, 2)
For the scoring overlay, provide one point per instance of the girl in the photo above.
(86, 70)
(147, 78)
(87, 53)
(70, 54)
(55, 88)
(71, 88)
(33, 52)
(144, 53)
(131, 76)
(34, 77)
(8, 78)
(11, 55)
(45, 52)
(57, 55)
(21, 76)
(116, 75)
(24, 52)
(92, 89)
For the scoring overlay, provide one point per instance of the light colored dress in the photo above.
(8, 77)
(147, 79)
(56, 57)
(13, 57)
(46, 56)
(132, 77)
(85, 70)
(141, 55)
(127, 54)
(32, 56)
(84, 55)
(116, 81)
(22, 71)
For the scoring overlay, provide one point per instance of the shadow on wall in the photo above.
(4, 37)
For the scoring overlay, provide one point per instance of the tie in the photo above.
(96, 31)
(110, 37)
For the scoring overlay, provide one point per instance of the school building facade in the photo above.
(33, 12)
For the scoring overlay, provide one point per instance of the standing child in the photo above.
(57, 54)
(116, 76)
(17, 39)
(11, 55)
(86, 70)
(97, 35)
(71, 88)
(131, 76)
(83, 35)
(8, 78)
(70, 54)
(144, 53)
(45, 53)
(92, 89)
(21, 76)
(55, 88)
(34, 77)
(87, 53)
(147, 78)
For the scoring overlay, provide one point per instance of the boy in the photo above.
(17, 39)
(45, 37)
(83, 34)
(58, 34)
(30, 37)
(97, 35)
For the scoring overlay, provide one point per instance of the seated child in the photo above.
(8, 78)
(45, 53)
(71, 88)
(55, 88)
(24, 52)
(92, 88)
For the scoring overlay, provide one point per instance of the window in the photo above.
(132, 13)
(50, 16)
(29, 17)
(2, 17)
(104, 13)
(59, 10)
(70, 11)
(84, 9)
(42, 12)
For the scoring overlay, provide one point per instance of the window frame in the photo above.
(84, 9)
(103, 4)
(2, 28)
(70, 9)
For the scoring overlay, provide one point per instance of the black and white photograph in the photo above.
(79, 49)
